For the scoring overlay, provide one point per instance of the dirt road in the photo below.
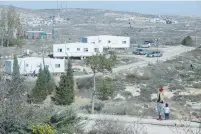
(169, 53)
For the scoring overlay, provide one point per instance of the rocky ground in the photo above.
(135, 92)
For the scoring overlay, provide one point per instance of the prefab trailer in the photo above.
(108, 41)
(78, 49)
(30, 64)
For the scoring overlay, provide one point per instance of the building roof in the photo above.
(108, 36)
(34, 58)
(78, 44)
(35, 31)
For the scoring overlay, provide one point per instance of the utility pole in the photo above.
(196, 37)
(157, 43)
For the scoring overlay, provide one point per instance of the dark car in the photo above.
(140, 52)
(154, 54)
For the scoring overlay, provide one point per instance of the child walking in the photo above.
(167, 112)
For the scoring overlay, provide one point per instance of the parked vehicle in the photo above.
(140, 52)
(144, 46)
(154, 54)
(151, 43)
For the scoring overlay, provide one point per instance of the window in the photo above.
(68, 49)
(123, 42)
(59, 50)
(96, 50)
(27, 65)
(99, 41)
(78, 49)
(57, 65)
(109, 41)
(93, 42)
(85, 49)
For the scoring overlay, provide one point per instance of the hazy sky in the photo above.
(157, 7)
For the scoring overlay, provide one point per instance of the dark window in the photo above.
(85, 49)
(59, 50)
(57, 65)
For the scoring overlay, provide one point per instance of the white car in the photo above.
(144, 45)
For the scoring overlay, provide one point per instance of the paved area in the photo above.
(152, 126)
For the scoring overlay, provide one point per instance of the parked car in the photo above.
(144, 46)
(140, 52)
(154, 54)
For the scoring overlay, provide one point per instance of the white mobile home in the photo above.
(30, 64)
(108, 41)
(78, 49)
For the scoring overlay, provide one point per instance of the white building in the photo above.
(78, 49)
(30, 64)
(108, 41)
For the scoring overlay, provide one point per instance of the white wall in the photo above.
(76, 49)
(115, 41)
(29, 64)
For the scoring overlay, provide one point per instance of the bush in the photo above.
(145, 94)
(66, 121)
(187, 41)
(197, 85)
(97, 107)
(42, 129)
(105, 88)
(84, 83)
(122, 108)
(115, 127)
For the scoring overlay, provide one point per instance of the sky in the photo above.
(184, 8)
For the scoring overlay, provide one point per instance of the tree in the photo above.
(12, 110)
(187, 41)
(100, 63)
(3, 25)
(105, 88)
(10, 27)
(44, 86)
(65, 94)
(16, 72)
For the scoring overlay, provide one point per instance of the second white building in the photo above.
(78, 49)
(108, 41)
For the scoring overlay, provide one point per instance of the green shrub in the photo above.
(43, 129)
(105, 88)
(187, 41)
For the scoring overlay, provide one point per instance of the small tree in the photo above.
(65, 93)
(44, 86)
(105, 88)
(100, 63)
(187, 41)
(39, 92)
(16, 72)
